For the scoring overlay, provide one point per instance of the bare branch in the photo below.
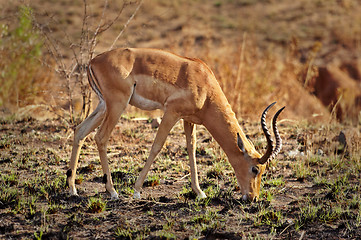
(105, 27)
(126, 24)
(94, 38)
(74, 71)
(84, 33)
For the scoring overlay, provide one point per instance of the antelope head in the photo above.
(250, 179)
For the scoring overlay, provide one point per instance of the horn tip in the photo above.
(271, 105)
(280, 110)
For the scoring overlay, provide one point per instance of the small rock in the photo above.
(341, 142)
(342, 138)
(155, 122)
(320, 152)
(295, 153)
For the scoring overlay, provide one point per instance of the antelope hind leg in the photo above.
(82, 130)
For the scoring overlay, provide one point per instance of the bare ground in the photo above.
(322, 202)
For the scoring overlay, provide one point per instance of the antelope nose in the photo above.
(245, 197)
(248, 198)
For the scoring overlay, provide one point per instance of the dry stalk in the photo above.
(126, 25)
(239, 79)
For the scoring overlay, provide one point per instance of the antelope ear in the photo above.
(250, 141)
(240, 143)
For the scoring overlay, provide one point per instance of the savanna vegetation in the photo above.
(260, 51)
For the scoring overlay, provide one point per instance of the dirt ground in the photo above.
(323, 202)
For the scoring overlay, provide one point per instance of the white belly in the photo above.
(144, 103)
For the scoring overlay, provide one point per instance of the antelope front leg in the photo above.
(165, 126)
(190, 132)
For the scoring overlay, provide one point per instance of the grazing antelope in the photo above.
(185, 88)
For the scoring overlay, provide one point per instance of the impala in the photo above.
(185, 88)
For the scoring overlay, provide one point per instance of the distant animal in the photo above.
(185, 88)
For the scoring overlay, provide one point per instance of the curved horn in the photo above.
(277, 135)
(271, 153)
(267, 134)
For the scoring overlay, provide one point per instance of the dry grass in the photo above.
(252, 78)
(260, 51)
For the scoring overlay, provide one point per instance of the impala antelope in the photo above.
(185, 88)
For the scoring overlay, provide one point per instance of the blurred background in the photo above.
(304, 54)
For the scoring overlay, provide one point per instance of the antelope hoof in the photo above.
(201, 195)
(114, 195)
(73, 192)
(136, 194)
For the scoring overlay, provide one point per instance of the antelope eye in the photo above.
(255, 170)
